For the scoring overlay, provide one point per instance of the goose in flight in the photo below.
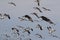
(46, 9)
(6, 15)
(29, 28)
(21, 19)
(35, 14)
(28, 17)
(16, 30)
(26, 30)
(51, 30)
(38, 9)
(38, 2)
(40, 36)
(46, 19)
(12, 3)
(39, 26)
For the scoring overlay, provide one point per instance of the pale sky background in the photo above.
(26, 7)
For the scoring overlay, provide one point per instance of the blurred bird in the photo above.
(35, 14)
(38, 9)
(40, 36)
(28, 17)
(16, 30)
(29, 28)
(46, 9)
(46, 19)
(38, 2)
(6, 15)
(39, 26)
(8, 36)
(12, 3)
(51, 30)
(55, 36)
(21, 19)
(26, 30)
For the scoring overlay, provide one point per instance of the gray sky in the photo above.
(26, 7)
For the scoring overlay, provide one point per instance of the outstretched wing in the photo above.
(12, 3)
(7, 16)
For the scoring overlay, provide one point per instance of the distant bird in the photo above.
(39, 26)
(46, 19)
(35, 14)
(38, 2)
(16, 30)
(46, 9)
(26, 30)
(21, 19)
(51, 30)
(55, 36)
(29, 28)
(12, 3)
(38, 9)
(40, 36)
(6, 15)
(28, 17)
(7, 35)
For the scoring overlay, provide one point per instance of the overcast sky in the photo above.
(24, 7)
